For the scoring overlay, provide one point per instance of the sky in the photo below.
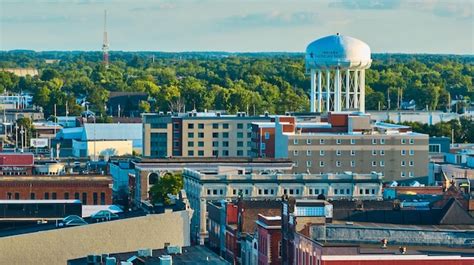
(402, 26)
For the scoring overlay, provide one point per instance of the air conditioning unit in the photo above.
(174, 250)
(126, 263)
(146, 252)
(166, 260)
(110, 261)
(94, 259)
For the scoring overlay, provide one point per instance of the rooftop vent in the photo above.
(145, 252)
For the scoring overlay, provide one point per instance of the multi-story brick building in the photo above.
(198, 134)
(341, 142)
(90, 189)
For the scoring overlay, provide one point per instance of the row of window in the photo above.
(214, 125)
(215, 153)
(381, 163)
(240, 135)
(352, 141)
(293, 191)
(54, 196)
(352, 152)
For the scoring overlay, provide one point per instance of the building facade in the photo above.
(198, 134)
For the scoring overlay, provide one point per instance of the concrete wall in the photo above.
(57, 246)
(409, 236)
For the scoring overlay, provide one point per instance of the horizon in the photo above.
(390, 26)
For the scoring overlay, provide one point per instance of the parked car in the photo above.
(72, 220)
(104, 215)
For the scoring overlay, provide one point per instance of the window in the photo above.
(214, 192)
(215, 135)
(190, 153)
(102, 198)
(95, 198)
(374, 141)
(353, 163)
(66, 195)
(411, 163)
(412, 141)
(338, 152)
(225, 125)
(267, 135)
(353, 152)
(190, 144)
(240, 125)
(46, 195)
(336, 191)
(410, 174)
(382, 141)
(76, 196)
(382, 163)
(225, 135)
(412, 152)
(338, 163)
(190, 125)
(374, 152)
(208, 192)
(225, 144)
(373, 191)
(338, 141)
(200, 125)
(201, 135)
(240, 144)
(348, 191)
(308, 152)
(201, 144)
(310, 191)
(33, 196)
(308, 141)
(374, 163)
(321, 152)
(321, 141)
(54, 196)
(240, 153)
(353, 141)
(215, 153)
(434, 148)
(308, 163)
(215, 126)
(295, 141)
(402, 174)
(190, 135)
(240, 135)
(403, 152)
(215, 144)
(225, 153)
(403, 141)
(295, 152)
(263, 146)
(382, 152)
(321, 163)
(403, 163)
(200, 153)
(84, 198)
(17, 196)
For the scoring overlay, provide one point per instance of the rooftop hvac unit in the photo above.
(94, 259)
(110, 261)
(173, 250)
(166, 260)
(126, 263)
(146, 252)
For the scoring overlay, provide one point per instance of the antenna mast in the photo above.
(105, 45)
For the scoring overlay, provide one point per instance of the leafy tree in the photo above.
(144, 106)
(167, 184)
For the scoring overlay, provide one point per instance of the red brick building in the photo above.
(269, 240)
(90, 189)
(16, 163)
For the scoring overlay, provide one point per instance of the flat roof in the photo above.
(38, 201)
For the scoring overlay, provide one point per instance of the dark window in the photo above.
(190, 153)
(190, 135)
(9, 195)
(215, 144)
(200, 153)
(201, 144)
(240, 135)
(190, 125)
(225, 126)
(240, 125)
(76, 196)
(102, 198)
(201, 135)
(215, 153)
(32, 196)
(240, 153)
(190, 144)
(200, 125)
(153, 179)
(54, 195)
(46, 195)
(84, 198)
(215, 126)
(17, 196)
(225, 135)
(225, 144)
(215, 135)
(66, 195)
(95, 198)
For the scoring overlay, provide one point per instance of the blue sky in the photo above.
(408, 26)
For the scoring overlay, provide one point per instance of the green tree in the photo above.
(144, 106)
(167, 184)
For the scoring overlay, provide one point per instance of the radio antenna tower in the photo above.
(105, 45)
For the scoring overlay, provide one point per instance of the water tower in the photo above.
(337, 66)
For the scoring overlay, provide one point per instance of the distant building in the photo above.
(125, 104)
(227, 183)
(341, 142)
(21, 71)
(16, 164)
(197, 134)
(15, 101)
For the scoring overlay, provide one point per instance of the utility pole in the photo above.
(105, 44)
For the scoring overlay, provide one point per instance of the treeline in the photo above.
(462, 130)
(253, 82)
